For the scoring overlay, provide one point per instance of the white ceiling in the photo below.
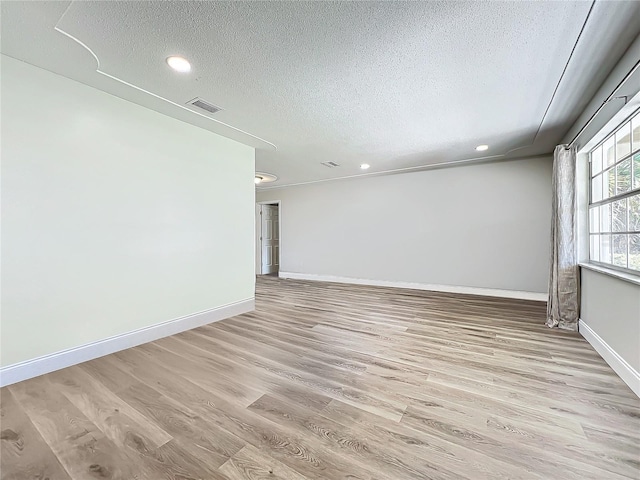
(393, 84)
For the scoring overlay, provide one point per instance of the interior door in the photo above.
(270, 227)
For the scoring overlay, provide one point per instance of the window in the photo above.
(614, 201)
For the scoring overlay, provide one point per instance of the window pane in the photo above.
(623, 141)
(620, 250)
(596, 189)
(636, 170)
(594, 248)
(594, 220)
(634, 251)
(596, 161)
(623, 176)
(635, 124)
(609, 152)
(605, 248)
(619, 216)
(605, 218)
(634, 213)
(609, 183)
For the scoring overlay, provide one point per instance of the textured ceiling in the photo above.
(393, 84)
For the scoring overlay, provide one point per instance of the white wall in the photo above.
(484, 226)
(610, 304)
(114, 217)
(611, 308)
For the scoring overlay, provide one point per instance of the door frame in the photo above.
(258, 231)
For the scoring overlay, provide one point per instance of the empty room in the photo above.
(375, 240)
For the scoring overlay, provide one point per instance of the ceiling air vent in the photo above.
(198, 102)
(330, 164)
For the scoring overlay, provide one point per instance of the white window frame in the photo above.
(609, 133)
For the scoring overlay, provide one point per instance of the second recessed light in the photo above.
(263, 177)
(179, 64)
(482, 148)
(364, 166)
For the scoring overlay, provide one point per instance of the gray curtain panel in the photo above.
(564, 284)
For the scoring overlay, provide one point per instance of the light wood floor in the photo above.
(327, 381)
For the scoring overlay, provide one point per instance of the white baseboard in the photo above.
(487, 292)
(72, 356)
(625, 371)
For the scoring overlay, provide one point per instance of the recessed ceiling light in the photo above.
(482, 148)
(179, 64)
(364, 166)
(264, 177)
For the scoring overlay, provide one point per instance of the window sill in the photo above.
(624, 276)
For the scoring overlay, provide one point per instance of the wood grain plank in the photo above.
(367, 452)
(24, 454)
(114, 417)
(82, 449)
(251, 464)
(427, 446)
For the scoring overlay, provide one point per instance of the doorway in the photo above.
(268, 238)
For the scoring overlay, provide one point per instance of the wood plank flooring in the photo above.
(329, 381)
